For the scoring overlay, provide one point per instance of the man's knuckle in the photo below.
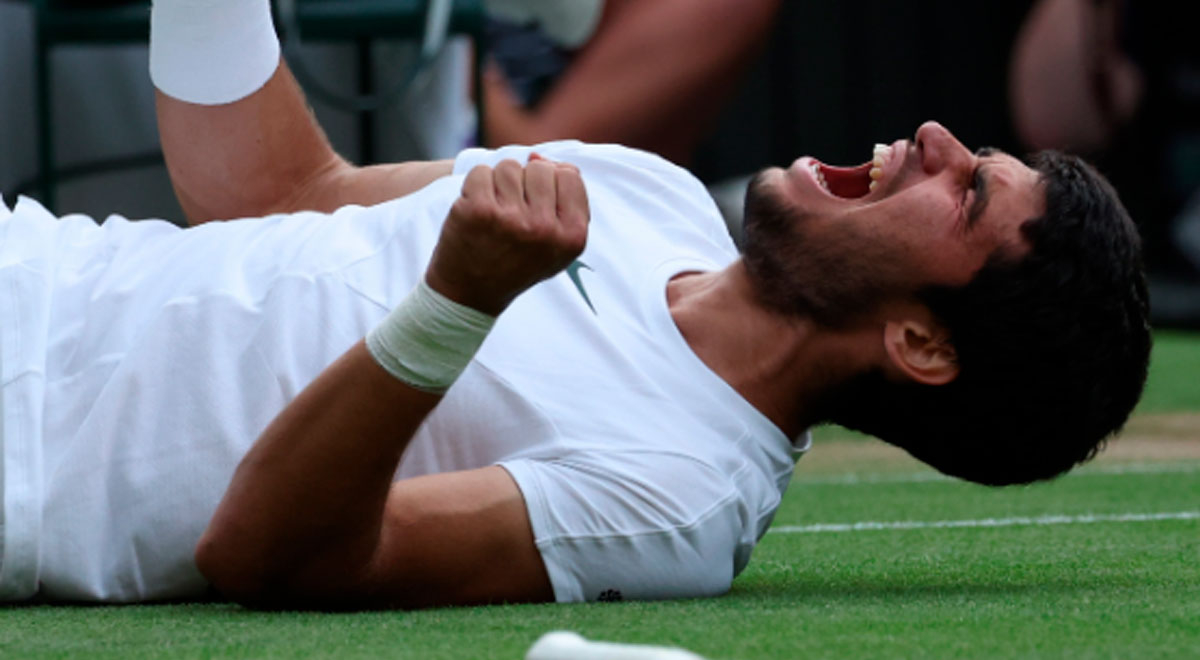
(574, 216)
(540, 233)
(478, 173)
(511, 214)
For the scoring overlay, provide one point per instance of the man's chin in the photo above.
(764, 209)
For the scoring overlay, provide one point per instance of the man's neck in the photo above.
(780, 365)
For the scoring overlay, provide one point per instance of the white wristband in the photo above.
(428, 340)
(212, 52)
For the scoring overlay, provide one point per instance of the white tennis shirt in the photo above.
(140, 361)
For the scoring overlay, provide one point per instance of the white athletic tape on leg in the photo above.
(428, 339)
(212, 52)
(564, 645)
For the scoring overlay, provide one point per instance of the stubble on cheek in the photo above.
(834, 278)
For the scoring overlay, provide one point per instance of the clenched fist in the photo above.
(511, 228)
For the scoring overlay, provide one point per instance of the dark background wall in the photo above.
(839, 76)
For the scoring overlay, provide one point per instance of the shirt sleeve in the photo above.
(638, 526)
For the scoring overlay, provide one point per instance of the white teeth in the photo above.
(871, 186)
(820, 177)
(882, 153)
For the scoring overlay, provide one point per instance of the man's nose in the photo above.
(939, 149)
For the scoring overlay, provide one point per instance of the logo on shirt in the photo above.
(573, 273)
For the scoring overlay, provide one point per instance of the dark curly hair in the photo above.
(1052, 347)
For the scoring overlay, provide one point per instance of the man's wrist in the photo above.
(428, 340)
(478, 297)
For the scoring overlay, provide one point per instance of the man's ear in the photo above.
(921, 351)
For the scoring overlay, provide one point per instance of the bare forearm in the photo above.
(267, 154)
(244, 158)
(368, 185)
(307, 501)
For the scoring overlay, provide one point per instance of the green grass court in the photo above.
(1102, 563)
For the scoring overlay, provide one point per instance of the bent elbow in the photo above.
(235, 573)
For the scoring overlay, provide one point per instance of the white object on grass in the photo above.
(564, 645)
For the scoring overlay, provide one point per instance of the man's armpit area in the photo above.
(459, 538)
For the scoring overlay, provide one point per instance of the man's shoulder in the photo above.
(620, 178)
(592, 158)
(615, 158)
(637, 177)
(610, 151)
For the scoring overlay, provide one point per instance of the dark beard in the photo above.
(833, 282)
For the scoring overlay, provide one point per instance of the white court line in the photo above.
(852, 478)
(985, 522)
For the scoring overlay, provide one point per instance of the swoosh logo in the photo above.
(573, 273)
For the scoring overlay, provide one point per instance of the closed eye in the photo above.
(979, 184)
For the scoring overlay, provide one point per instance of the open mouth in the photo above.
(852, 182)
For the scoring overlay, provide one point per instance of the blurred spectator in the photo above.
(653, 75)
(1120, 81)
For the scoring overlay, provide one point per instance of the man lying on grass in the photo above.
(571, 386)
